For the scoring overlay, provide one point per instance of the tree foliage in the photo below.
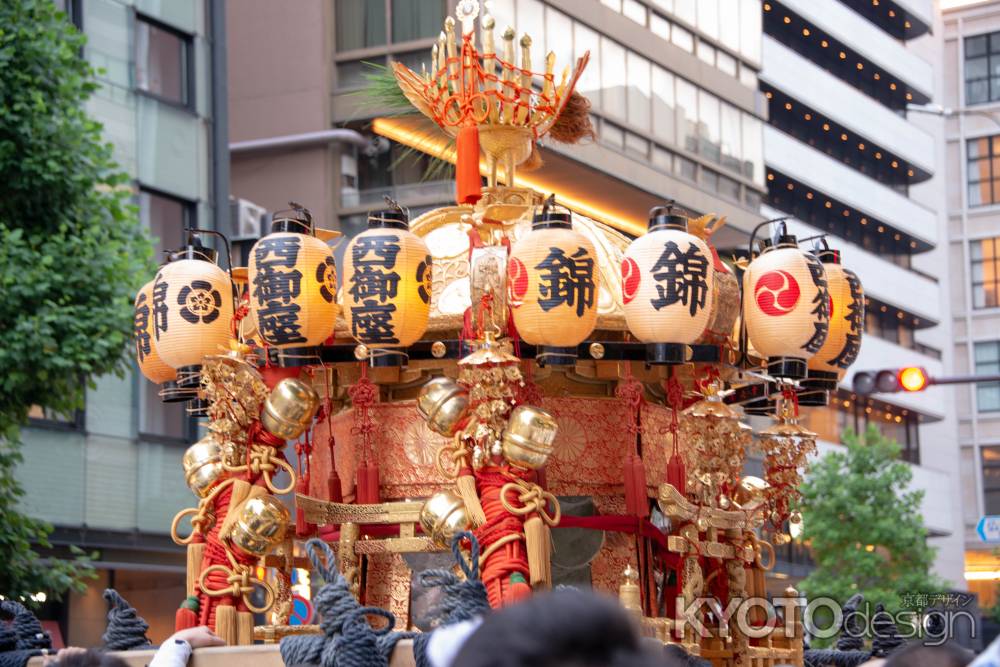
(864, 526)
(72, 254)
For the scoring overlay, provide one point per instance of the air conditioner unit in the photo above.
(247, 219)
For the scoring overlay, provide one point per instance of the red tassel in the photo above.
(676, 474)
(334, 488)
(518, 591)
(187, 615)
(361, 495)
(634, 472)
(302, 527)
(373, 483)
(468, 185)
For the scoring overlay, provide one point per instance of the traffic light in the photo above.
(890, 380)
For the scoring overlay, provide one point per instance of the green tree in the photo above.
(864, 526)
(72, 254)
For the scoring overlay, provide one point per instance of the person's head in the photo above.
(90, 657)
(566, 628)
(917, 654)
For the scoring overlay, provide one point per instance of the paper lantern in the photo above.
(192, 307)
(293, 286)
(668, 278)
(847, 317)
(786, 307)
(387, 286)
(552, 281)
(150, 364)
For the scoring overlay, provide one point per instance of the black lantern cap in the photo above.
(393, 217)
(782, 239)
(549, 218)
(193, 249)
(296, 219)
(663, 217)
(826, 254)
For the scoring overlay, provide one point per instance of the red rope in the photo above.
(511, 557)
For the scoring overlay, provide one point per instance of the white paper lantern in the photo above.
(667, 282)
(847, 320)
(786, 307)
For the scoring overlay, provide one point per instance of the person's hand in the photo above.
(199, 637)
(63, 654)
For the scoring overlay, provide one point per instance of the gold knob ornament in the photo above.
(202, 463)
(443, 516)
(529, 437)
(289, 409)
(444, 404)
(261, 525)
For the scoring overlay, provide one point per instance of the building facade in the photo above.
(844, 158)
(108, 477)
(971, 107)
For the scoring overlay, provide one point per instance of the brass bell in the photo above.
(202, 463)
(443, 516)
(751, 492)
(261, 524)
(529, 437)
(444, 404)
(289, 409)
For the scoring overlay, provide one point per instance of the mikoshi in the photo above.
(504, 366)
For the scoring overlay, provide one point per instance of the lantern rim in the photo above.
(666, 220)
(792, 368)
(782, 241)
(290, 225)
(388, 218)
(829, 256)
(195, 251)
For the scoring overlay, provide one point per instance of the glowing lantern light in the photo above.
(667, 286)
(150, 364)
(552, 280)
(293, 287)
(192, 311)
(786, 306)
(847, 316)
(387, 286)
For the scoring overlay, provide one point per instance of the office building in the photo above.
(845, 158)
(108, 477)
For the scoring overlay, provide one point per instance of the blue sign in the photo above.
(989, 528)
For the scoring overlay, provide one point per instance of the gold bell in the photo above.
(751, 492)
(289, 409)
(443, 516)
(529, 437)
(202, 463)
(261, 524)
(444, 404)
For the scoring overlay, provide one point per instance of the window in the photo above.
(48, 418)
(415, 19)
(163, 62)
(983, 156)
(988, 363)
(985, 273)
(991, 479)
(165, 217)
(360, 24)
(982, 68)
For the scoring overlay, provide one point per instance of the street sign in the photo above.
(989, 528)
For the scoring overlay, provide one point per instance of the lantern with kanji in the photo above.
(552, 280)
(847, 317)
(667, 285)
(150, 364)
(786, 306)
(387, 286)
(293, 288)
(192, 310)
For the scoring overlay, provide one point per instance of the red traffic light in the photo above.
(913, 378)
